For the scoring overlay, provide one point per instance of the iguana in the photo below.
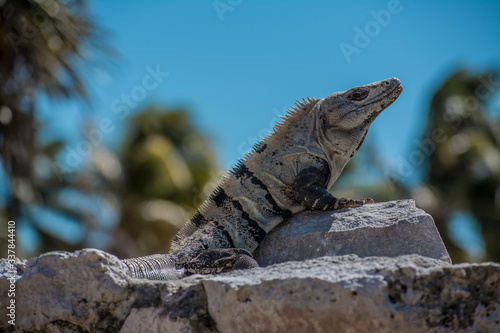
(288, 171)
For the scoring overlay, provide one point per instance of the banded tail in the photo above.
(154, 267)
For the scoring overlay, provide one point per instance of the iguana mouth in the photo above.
(392, 94)
(389, 98)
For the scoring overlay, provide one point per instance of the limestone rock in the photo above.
(351, 294)
(70, 290)
(386, 229)
(88, 291)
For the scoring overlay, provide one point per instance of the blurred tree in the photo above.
(144, 195)
(461, 146)
(168, 169)
(43, 47)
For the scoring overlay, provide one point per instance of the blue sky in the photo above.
(235, 65)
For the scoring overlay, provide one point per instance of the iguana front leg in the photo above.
(309, 190)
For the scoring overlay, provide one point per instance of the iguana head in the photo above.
(343, 119)
(356, 108)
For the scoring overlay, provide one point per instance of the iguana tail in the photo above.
(154, 267)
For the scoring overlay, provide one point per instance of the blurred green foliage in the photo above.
(463, 159)
(168, 170)
(45, 47)
(133, 201)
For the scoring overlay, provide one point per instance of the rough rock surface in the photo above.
(88, 291)
(387, 229)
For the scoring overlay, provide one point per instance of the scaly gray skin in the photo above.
(288, 171)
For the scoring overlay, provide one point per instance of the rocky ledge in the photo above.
(88, 290)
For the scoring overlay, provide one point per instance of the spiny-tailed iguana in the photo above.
(288, 171)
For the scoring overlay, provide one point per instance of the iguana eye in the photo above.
(358, 94)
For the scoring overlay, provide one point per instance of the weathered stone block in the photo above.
(88, 290)
(387, 229)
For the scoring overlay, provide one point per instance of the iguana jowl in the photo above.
(288, 171)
